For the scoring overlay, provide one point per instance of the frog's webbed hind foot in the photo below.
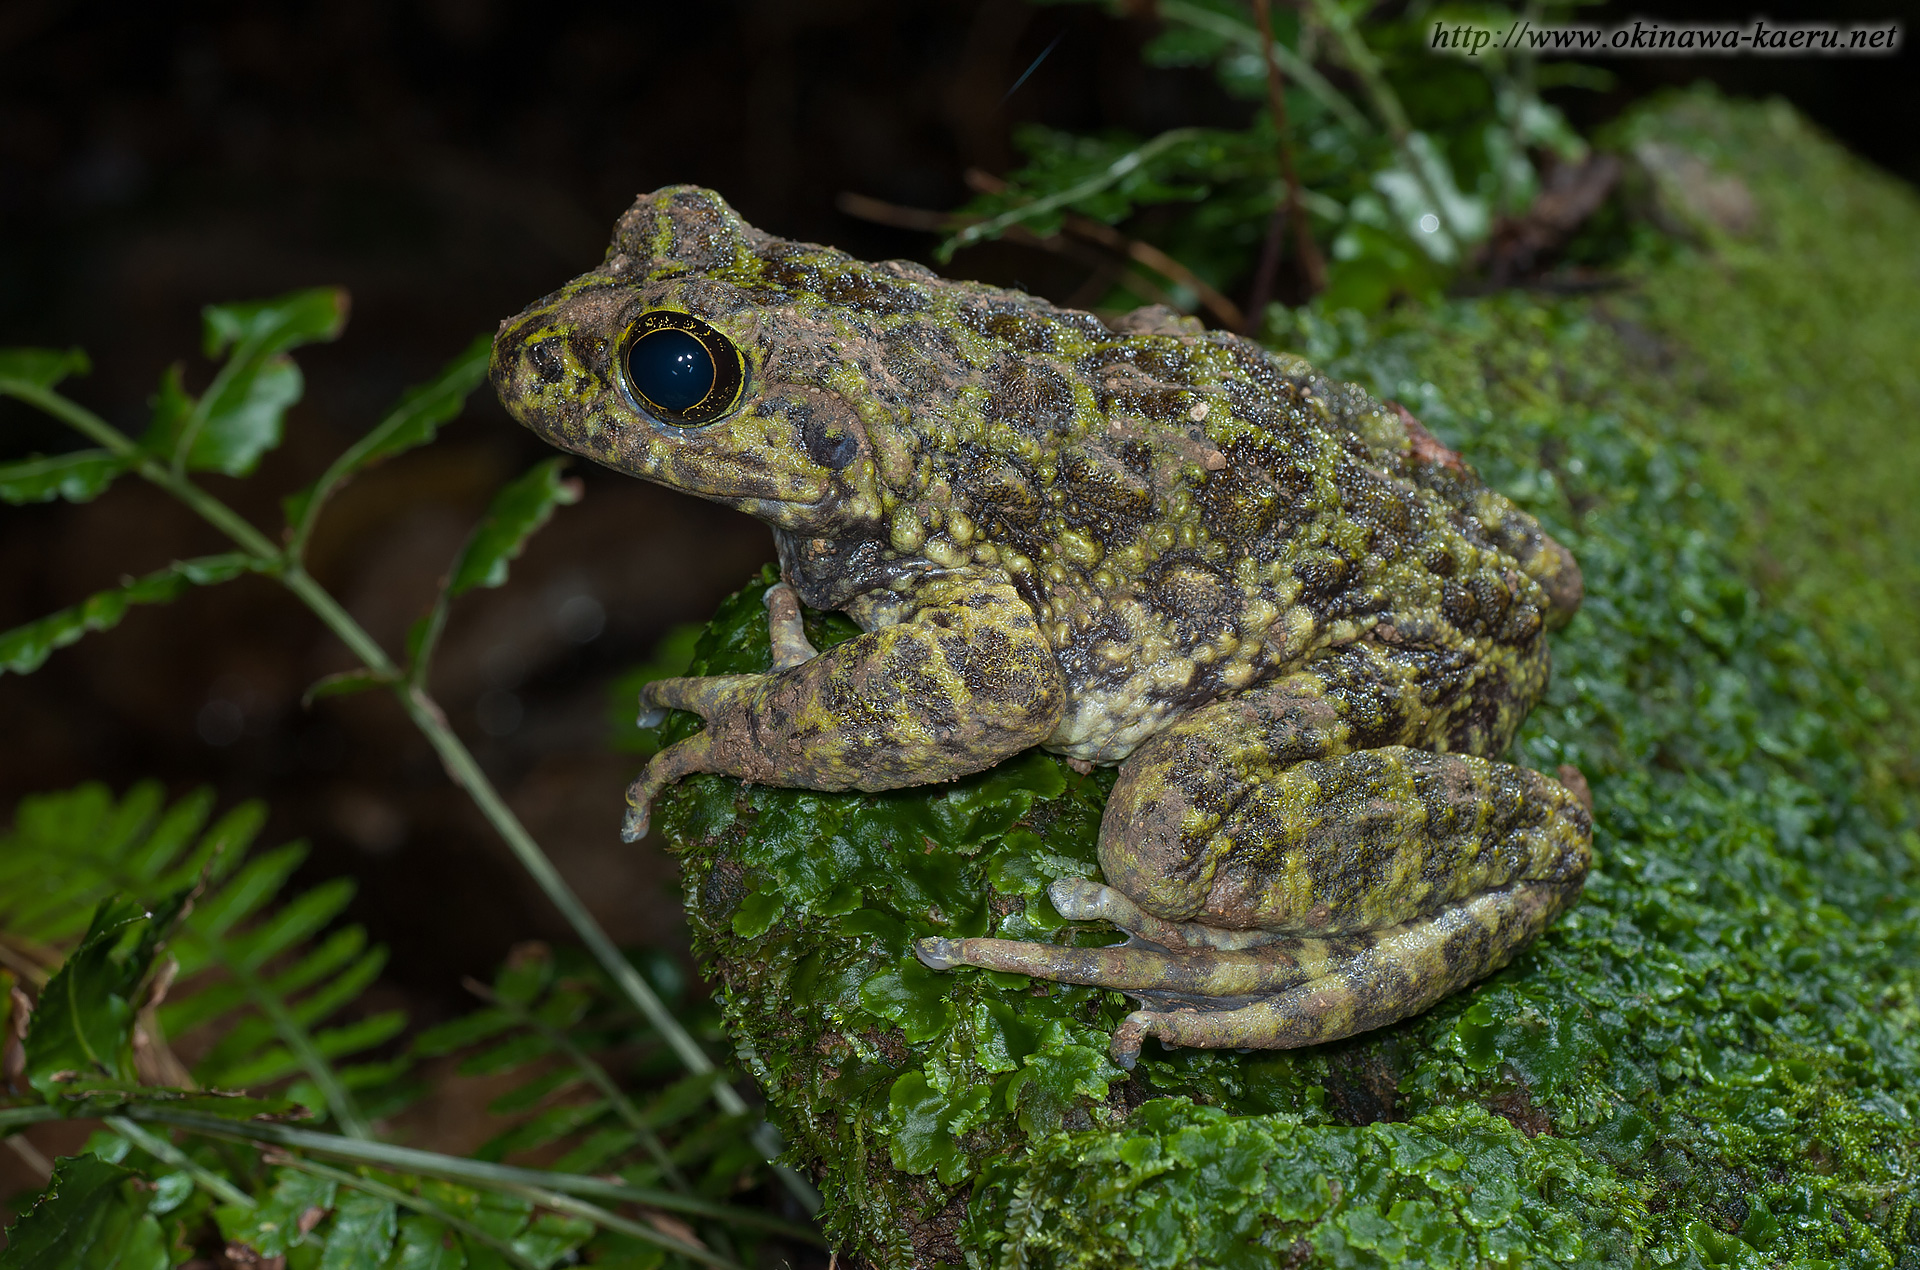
(1293, 991)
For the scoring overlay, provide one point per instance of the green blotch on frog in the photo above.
(1301, 626)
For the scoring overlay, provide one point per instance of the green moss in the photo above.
(1798, 336)
(1710, 1061)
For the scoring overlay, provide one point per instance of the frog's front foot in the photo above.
(710, 697)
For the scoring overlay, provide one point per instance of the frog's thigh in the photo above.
(1353, 842)
(1300, 809)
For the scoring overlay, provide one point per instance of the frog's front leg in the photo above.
(965, 679)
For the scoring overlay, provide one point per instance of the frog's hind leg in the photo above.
(1288, 991)
(1281, 892)
(1369, 980)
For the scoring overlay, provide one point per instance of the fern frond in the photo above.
(251, 974)
(574, 1050)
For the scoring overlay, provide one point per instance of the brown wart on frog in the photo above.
(1301, 625)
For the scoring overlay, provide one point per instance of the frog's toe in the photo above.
(704, 695)
(650, 716)
(786, 629)
(681, 759)
(1124, 1049)
(633, 825)
(937, 953)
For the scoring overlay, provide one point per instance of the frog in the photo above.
(1302, 627)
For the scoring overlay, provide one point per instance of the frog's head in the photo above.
(699, 357)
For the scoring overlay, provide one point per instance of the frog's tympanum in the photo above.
(1303, 627)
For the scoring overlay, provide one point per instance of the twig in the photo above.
(454, 755)
(1224, 310)
(12, 1118)
(1299, 68)
(1113, 173)
(31, 1156)
(1312, 267)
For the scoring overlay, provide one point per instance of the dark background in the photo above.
(448, 161)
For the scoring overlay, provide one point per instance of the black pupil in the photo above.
(671, 369)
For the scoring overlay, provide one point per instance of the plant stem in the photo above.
(1113, 172)
(1360, 59)
(1229, 27)
(12, 1118)
(161, 1149)
(1311, 266)
(346, 1109)
(613, 1221)
(454, 755)
(394, 1195)
(456, 1168)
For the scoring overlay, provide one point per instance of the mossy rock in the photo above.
(1713, 1060)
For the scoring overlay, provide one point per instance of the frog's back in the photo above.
(1192, 515)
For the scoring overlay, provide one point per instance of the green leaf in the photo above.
(549, 1237)
(412, 422)
(92, 1216)
(524, 975)
(82, 1029)
(24, 648)
(362, 1233)
(517, 513)
(296, 922)
(916, 1116)
(244, 422)
(1103, 179)
(426, 1244)
(78, 476)
(344, 684)
(40, 367)
(909, 994)
(239, 418)
(313, 314)
(296, 1205)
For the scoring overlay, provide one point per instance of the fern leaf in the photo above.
(145, 833)
(246, 951)
(597, 1150)
(255, 885)
(293, 923)
(457, 1034)
(542, 1129)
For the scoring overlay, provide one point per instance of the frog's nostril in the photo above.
(545, 360)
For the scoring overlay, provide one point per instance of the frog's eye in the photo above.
(681, 369)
